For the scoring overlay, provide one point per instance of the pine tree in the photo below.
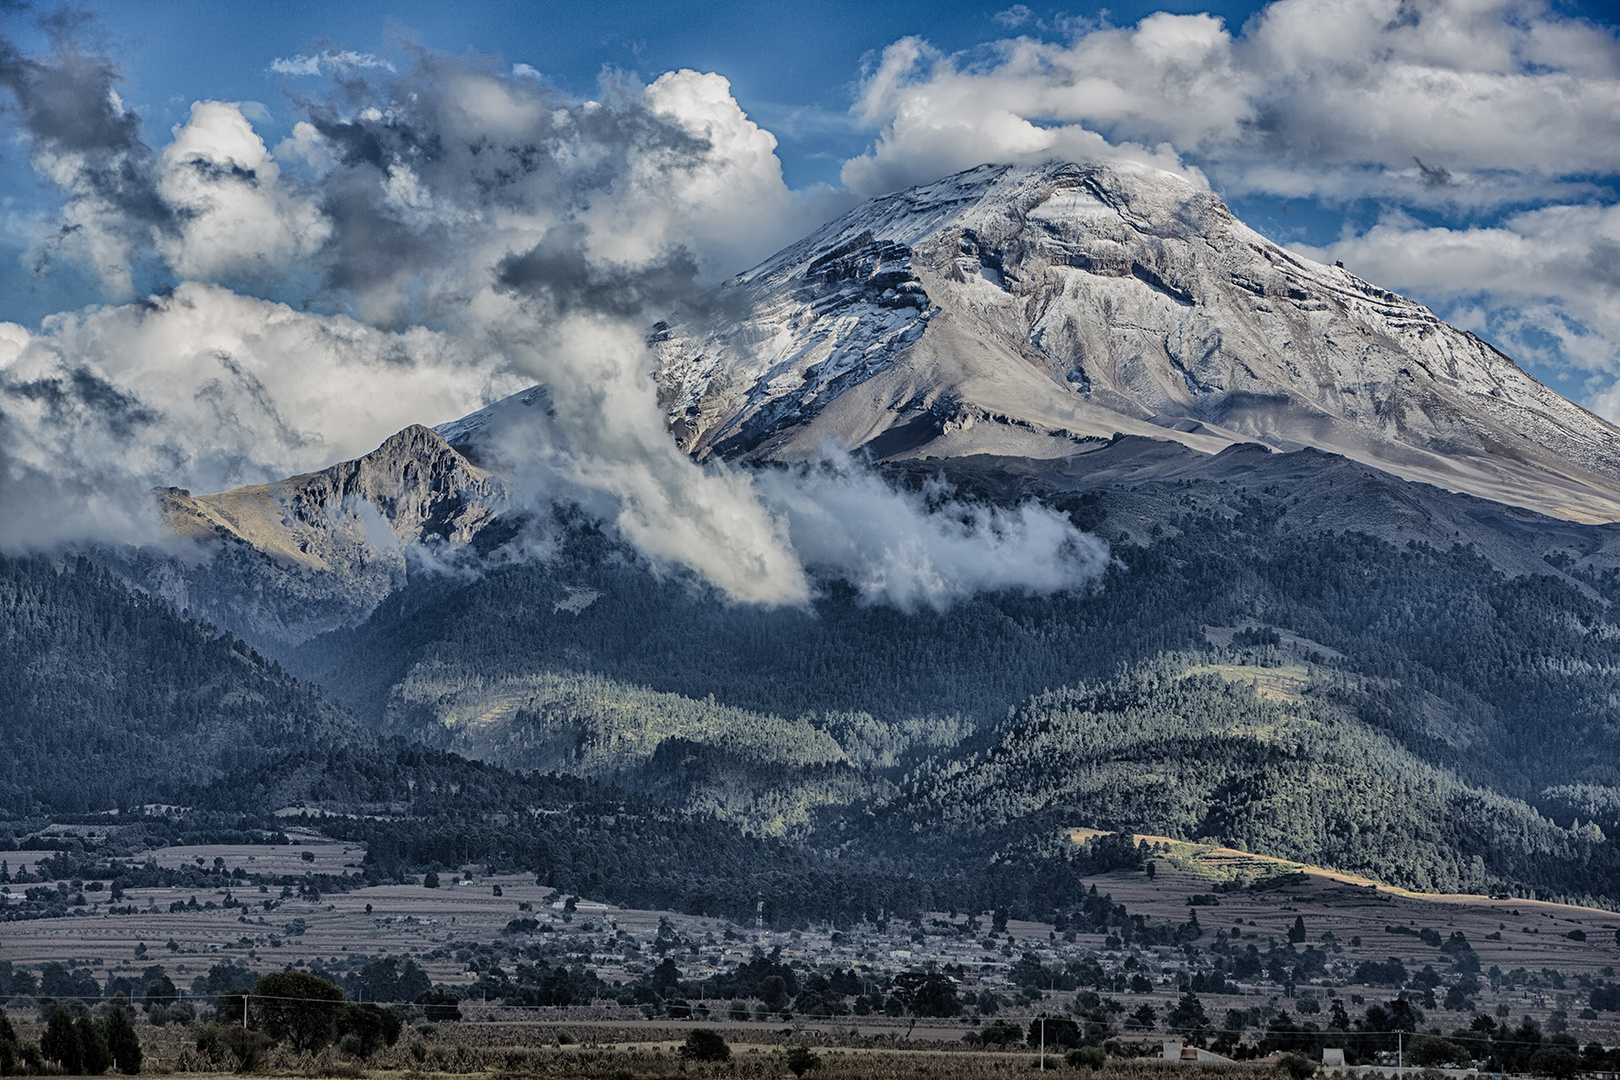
(60, 1043)
(122, 1042)
(95, 1057)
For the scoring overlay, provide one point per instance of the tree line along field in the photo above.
(582, 1052)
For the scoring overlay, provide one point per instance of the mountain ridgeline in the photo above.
(1359, 609)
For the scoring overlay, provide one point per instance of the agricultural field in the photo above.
(1349, 919)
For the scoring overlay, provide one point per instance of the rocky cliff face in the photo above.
(311, 553)
(1038, 311)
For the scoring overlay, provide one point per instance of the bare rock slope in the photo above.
(1038, 311)
(315, 552)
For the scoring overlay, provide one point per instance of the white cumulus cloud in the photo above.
(1338, 98)
(234, 216)
(204, 389)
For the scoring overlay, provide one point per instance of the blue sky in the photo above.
(794, 67)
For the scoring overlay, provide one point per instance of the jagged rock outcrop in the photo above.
(289, 560)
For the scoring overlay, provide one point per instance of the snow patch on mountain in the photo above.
(1040, 310)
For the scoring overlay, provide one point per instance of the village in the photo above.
(1254, 964)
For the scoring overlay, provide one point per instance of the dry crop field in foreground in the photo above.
(632, 1052)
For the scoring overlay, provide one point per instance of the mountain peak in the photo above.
(337, 541)
(1037, 311)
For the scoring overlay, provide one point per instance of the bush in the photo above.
(440, 1005)
(1086, 1057)
(17, 1056)
(704, 1044)
(1001, 1033)
(1433, 1050)
(248, 1046)
(799, 1059)
(367, 1028)
(1556, 1061)
(1297, 1066)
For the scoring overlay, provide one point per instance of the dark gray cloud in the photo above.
(79, 133)
(1433, 175)
(560, 274)
(82, 397)
(417, 164)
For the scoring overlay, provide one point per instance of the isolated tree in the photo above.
(927, 993)
(704, 1044)
(1188, 1016)
(297, 1009)
(1055, 1032)
(1296, 933)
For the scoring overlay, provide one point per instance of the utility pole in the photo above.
(1043, 1044)
(1400, 1055)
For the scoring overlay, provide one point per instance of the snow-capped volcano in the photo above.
(1037, 311)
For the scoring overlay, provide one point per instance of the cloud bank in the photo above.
(437, 232)
(1455, 102)
(425, 241)
(206, 389)
(927, 549)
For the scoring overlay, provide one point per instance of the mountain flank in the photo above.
(1037, 311)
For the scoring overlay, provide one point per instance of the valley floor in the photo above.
(1349, 920)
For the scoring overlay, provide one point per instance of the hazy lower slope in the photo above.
(107, 698)
(1031, 311)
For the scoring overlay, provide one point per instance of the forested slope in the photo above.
(109, 698)
(1461, 659)
(1257, 756)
